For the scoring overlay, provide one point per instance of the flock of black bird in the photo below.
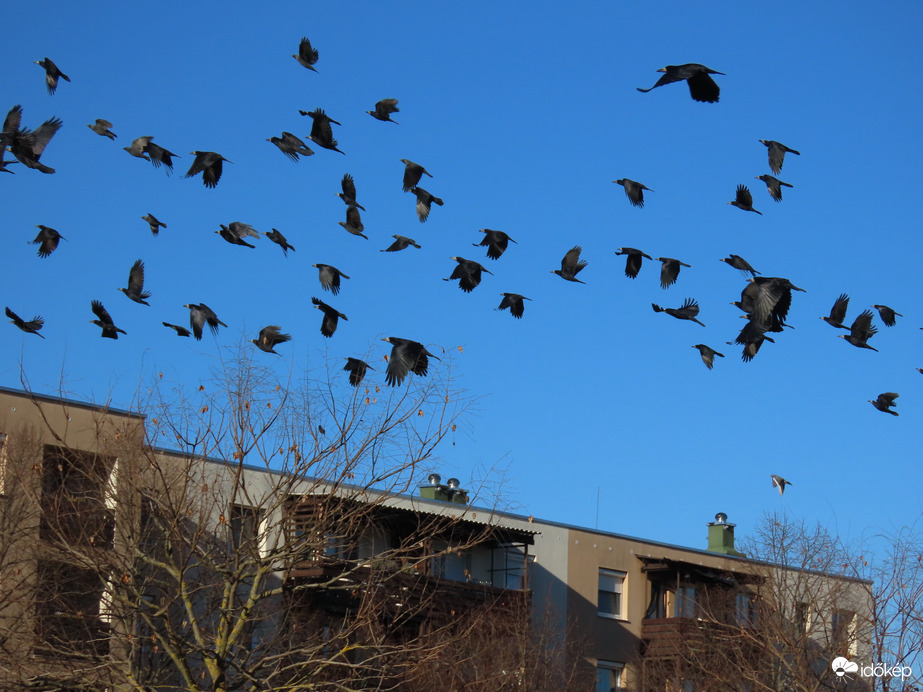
(765, 301)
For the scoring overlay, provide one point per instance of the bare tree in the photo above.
(275, 547)
(779, 621)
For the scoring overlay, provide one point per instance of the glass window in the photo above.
(685, 602)
(608, 676)
(611, 585)
(245, 522)
(746, 610)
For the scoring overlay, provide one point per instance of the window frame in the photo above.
(620, 578)
(613, 668)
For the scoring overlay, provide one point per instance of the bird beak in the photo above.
(662, 69)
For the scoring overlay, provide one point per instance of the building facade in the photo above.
(124, 566)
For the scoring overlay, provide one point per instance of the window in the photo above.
(746, 610)
(802, 618)
(245, 525)
(608, 676)
(611, 585)
(841, 631)
(685, 602)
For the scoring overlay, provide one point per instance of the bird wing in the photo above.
(212, 174)
(101, 312)
(349, 186)
(43, 134)
(862, 327)
(689, 309)
(136, 278)
(571, 262)
(703, 88)
(667, 78)
(353, 218)
(307, 53)
(196, 321)
(669, 271)
(776, 156)
(633, 192)
(838, 311)
(159, 155)
(198, 165)
(743, 196)
(386, 106)
(632, 265)
(13, 120)
(887, 398)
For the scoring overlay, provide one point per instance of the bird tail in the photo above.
(657, 308)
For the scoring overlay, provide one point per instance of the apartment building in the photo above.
(127, 567)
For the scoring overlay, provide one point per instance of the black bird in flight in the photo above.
(329, 324)
(144, 148)
(154, 223)
(349, 192)
(634, 191)
(384, 109)
(406, 356)
(744, 200)
(269, 337)
(777, 152)
(740, 263)
(571, 265)
(356, 369)
(291, 146)
(767, 298)
(669, 270)
(468, 273)
(751, 337)
(424, 201)
(632, 261)
(101, 127)
(861, 331)
(885, 401)
(47, 240)
(25, 144)
(110, 331)
(135, 290)
(180, 331)
(353, 223)
(708, 355)
(321, 131)
(400, 243)
(30, 327)
(888, 316)
(495, 242)
(701, 86)
(779, 482)
(52, 73)
(208, 163)
(514, 302)
(774, 185)
(306, 56)
(236, 231)
(688, 311)
(838, 312)
(412, 174)
(279, 239)
(329, 277)
(200, 315)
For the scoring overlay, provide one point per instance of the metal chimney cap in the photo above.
(453, 483)
(434, 479)
(721, 518)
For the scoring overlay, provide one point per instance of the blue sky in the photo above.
(524, 117)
